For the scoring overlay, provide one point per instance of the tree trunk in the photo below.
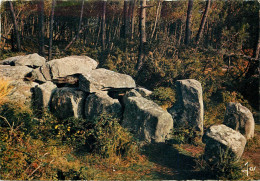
(0, 22)
(180, 34)
(15, 27)
(142, 18)
(203, 21)
(103, 26)
(51, 30)
(41, 26)
(98, 31)
(256, 54)
(187, 32)
(257, 47)
(133, 19)
(125, 26)
(157, 17)
(79, 27)
(80, 19)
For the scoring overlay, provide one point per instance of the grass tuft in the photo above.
(5, 90)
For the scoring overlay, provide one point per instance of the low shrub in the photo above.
(46, 149)
(163, 96)
(224, 167)
(103, 135)
(183, 135)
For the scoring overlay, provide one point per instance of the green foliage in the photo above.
(17, 116)
(78, 49)
(103, 136)
(163, 96)
(46, 149)
(8, 53)
(226, 166)
(158, 72)
(215, 110)
(121, 61)
(182, 135)
(110, 138)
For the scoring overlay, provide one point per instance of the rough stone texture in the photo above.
(42, 95)
(144, 92)
(11, 60)
(71, 65)
(221, 137)
(117, 93)
(31, 60)
(96, 80)
(14, 72)
(37, 76)
(68, 102)
(132, 93)
(45, 70)
(21, 91)
(60, 68)
(15, 75)
(240, 119)
(145, 119)
(188, 110)
(68, 80)
(99, 103)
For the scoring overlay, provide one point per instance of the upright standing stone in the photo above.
(100, 103)
(42, 95)
(146, 120)
(188, 110)
(68, 102)
(240, 119)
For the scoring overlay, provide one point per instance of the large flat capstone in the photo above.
(14, 72)
(98, 79)
(63, 67)
(32, 60)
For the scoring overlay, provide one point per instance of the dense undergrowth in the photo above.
(45, 148)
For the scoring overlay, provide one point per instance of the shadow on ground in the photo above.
(178, 166)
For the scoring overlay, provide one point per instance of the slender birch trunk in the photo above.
(51, 30)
